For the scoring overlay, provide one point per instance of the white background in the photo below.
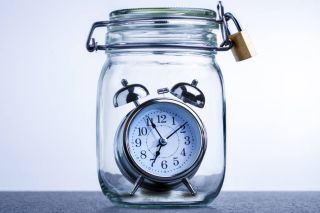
(48, 90)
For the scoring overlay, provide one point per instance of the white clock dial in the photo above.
(164, 139)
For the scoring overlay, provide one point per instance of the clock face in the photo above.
(165, 139)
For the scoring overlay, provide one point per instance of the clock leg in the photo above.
(136, 103)
(137, 185)
(189, 186)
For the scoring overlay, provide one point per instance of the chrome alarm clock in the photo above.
(160, 144)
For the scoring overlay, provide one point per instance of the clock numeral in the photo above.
(183, 152)
(138, 142)
(162, 118)
(183, 129)
(164, 164)
(148, 121)
(175, 161)
(143, 131)
(187, 142)
(143, 154)
(173, 121)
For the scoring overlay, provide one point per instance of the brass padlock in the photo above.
(242, 48)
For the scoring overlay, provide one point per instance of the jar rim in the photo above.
(162, 27)
(163, 12)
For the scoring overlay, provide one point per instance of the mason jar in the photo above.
(161, 127)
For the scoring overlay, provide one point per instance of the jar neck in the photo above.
(161, 58)
(153, 30)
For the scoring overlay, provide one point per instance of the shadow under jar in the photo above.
(161, 109)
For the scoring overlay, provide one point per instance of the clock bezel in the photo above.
(187, 173)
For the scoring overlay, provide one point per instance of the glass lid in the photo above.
(163, 12)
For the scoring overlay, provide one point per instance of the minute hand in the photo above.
(155, 127)
(176, 130)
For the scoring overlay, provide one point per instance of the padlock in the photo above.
(242, 48)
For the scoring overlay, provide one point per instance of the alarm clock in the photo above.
(160, 144)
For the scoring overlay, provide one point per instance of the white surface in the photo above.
(48, 90)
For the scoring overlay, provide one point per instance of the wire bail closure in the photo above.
(226, 44)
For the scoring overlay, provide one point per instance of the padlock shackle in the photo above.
(230, 16)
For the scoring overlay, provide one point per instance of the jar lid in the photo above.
(162, 27)
(163, 12)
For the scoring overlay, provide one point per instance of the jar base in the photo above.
(143, 198)
(160, 201)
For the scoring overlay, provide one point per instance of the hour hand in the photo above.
(156, 156)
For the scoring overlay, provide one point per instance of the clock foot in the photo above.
(137, 185)
(189, 186)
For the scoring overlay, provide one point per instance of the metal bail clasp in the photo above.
(91, 44)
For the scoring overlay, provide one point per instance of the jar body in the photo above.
(161, 70)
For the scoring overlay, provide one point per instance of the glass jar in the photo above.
(161, 128)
